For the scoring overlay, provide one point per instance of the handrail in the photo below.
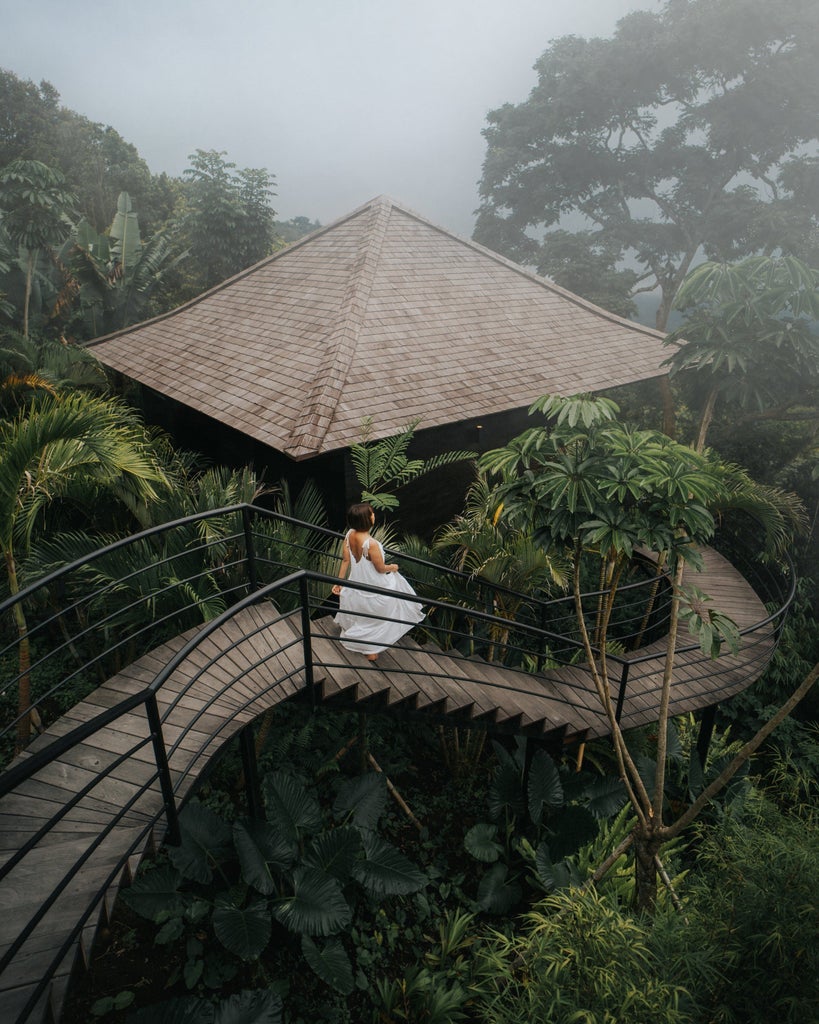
(152, 531)
(33, 762)
(294, 587)
(536, 606)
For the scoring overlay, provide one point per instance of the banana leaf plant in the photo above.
(111, 277)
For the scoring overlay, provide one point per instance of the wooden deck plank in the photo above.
(431, 692)
(447, 685)
(227, 683)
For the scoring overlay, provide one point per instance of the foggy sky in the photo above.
(341, 100)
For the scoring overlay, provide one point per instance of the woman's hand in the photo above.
(336, 589)
(392, 567)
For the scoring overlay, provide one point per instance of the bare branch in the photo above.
(722, 780)
(610, 861)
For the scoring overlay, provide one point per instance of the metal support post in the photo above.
(250, 767)
(306, 639)
(165, 784)
(621, 696)
(250, 551)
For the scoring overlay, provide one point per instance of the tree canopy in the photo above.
(691, 131)
(601, 490)
(227, 222)
(750, 338)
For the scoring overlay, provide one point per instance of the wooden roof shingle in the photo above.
(384, 314)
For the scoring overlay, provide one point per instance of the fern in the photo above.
(382, 466)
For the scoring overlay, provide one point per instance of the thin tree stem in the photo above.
(722, 780)
(665, 696)
(675, 899)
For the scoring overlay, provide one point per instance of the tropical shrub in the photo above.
(577, 959)
(243, 882)
(540, 816)
(755, 897)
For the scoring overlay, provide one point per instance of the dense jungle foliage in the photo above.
(407, 872)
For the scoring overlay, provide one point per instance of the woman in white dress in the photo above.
(363, 560)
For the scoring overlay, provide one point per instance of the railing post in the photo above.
(541, 643)
(489, 608)
(161, 756)
(250, 550)
(621, 696)
(306, 639)
(250, 767)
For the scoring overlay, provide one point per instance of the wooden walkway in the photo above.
(251, 664)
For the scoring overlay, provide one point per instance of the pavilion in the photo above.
(381, 314)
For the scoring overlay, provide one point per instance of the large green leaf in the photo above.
(481, 842)
(260, 844)
(317, 906)
(385, 871)
(606, 795)
(244, 931)
(124, 231)
(335, 852)
(506, 792)
(250, 1007)
(364, 797)
(153, 891)
(290, 807)
(544, 789)
(330, 962)
(572, 828)
(205, 836)
(552, 876)
(247, 1007)
(496, 893)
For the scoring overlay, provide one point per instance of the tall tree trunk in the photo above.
(27, 299)
(705, 419)
(661, 323)
(646, 848)
(669, 412)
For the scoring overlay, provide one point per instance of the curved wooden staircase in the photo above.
(86, 798)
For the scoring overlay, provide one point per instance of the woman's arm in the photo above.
(376, 556)
(345, 566)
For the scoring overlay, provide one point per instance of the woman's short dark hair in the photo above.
(359, 516)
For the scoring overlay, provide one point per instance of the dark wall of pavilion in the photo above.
(425, 504)
(222, 445)
(435, 499)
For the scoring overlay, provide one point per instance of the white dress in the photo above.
(395, 617)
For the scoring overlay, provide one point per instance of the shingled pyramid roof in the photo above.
(380, 314)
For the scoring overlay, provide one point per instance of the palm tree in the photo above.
(45, 452)
(32, 365)
(35, 206)
(483, 544)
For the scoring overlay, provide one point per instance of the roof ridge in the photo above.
(330, 376)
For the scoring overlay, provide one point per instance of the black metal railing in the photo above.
(87, 620)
